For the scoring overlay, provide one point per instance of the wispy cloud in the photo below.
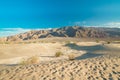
(112, 24)
(13, 31)
(109, 24)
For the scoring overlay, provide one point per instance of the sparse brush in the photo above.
(23, 61)
(108, 42)
(58, 54)
(72, 44)
(34, 42)
(97, 41)
(71, 57)
(31, 60)
(6, 42)
(53, 42)
(67, 42)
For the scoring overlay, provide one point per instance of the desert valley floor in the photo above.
(93, 60)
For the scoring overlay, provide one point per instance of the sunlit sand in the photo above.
(92, 61)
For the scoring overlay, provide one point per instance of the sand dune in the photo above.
(94, 61)
(101, 68)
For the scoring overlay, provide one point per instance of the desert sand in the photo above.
(93, 61)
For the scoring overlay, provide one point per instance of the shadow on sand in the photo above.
(87, 55)
(90, 50)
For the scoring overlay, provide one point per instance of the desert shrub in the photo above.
(71, 44)
(31, 60)
(34, 42)
(97, 41)
(6, 42)
(71, 57)
(58, 54)
(67, 42)
(23, 61)
(53, 42)
(108, 42)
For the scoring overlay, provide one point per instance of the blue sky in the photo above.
(34, 14)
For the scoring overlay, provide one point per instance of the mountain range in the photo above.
(68, 31)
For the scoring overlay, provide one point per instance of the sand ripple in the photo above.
(99, 68)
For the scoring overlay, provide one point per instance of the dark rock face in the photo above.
(70, 31)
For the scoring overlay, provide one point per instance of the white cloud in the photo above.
(13, 31)
(112, 24)
(109, 25)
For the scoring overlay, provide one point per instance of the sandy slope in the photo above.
(94, 61)
(13, 53)
(101, 68)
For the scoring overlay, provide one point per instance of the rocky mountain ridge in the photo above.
(70, 31)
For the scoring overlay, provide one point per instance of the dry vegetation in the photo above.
(97, 41)
(71, 56)
(30, 60)
(58, 54)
